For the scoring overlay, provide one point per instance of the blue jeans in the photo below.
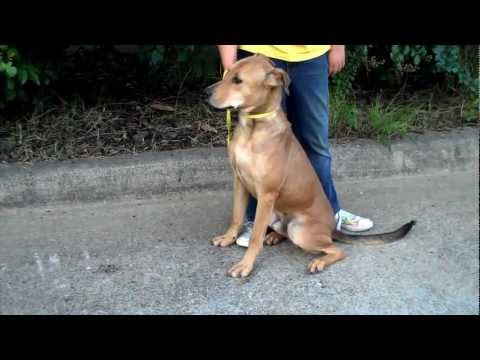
(307, 109)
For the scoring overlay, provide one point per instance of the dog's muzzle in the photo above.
(209, 90)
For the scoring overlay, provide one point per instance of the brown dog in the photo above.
(269, 163)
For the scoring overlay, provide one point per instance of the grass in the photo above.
(387, 117)
(388, 120)
(107, 128)
(75, 130)
(471, 109)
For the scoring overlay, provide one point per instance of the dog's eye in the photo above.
(236, 80)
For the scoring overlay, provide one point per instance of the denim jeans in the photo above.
(308, 111)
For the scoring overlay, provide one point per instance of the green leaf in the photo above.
(22, 75)
(438, 49)
(10, 84)
(11, 71)
(183, 55)
(34, 76)
(10, 95)
(3, 47)
(36, 79)
(416, 59)
(21, 94)
(156, 56)
(11, 53)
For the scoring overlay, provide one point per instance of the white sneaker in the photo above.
(345, 220)
(244, 238)
(352, 222)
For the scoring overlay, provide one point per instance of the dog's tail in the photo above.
(374, 239)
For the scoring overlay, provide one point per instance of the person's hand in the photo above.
(228, 55)
(336, 59)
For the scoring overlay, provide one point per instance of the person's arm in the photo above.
(336, 59)
(228, 55)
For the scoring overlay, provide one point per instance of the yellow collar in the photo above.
(249, 116)
(261, 115)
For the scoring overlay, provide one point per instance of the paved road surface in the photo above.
(154, 257)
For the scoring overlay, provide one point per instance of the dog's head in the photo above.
(248, 85)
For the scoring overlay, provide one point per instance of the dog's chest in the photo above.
(243, 155)
(244, 161)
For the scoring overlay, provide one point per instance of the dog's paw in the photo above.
(273, 238)
(316, 265)
(224, 240)
(241, 269)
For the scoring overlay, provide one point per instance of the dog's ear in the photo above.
(278, 77)
(265, 58)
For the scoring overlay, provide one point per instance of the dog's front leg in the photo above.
(262, 218)
(240, 200)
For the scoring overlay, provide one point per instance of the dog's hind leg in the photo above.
(279, 230)
(333, 254)
(315, 239)
(274, 238)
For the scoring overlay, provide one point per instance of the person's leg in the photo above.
(308, 110)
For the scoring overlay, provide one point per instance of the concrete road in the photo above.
(154, 257)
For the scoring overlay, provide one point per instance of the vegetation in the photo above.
(57, 103)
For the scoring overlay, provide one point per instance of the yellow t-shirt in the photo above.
(288, 52)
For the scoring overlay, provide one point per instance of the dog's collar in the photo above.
(261, 115)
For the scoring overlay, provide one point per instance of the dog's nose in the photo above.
(209, 90)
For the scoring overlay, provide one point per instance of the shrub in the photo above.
(191, 64)
(356, 58)
(23, 72)
(27, 72)
(403, 65)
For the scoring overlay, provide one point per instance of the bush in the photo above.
(356, 59)
(418, 66)
(24, 72)
(180, 64)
